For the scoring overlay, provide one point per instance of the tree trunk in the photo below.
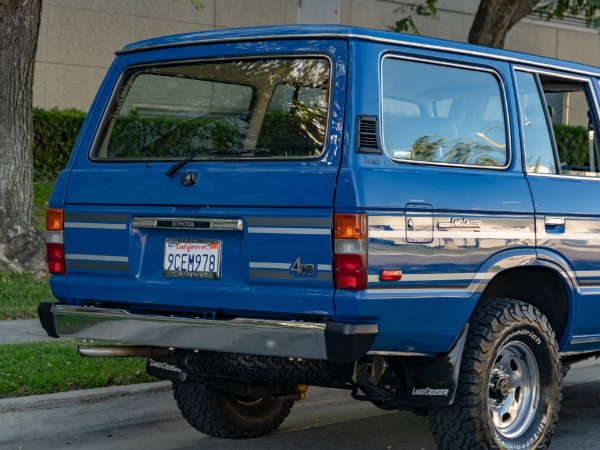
(495, 18)
(21, 248)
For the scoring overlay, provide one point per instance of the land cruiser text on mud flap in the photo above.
(260, 210)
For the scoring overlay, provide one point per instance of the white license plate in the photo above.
(192, 258)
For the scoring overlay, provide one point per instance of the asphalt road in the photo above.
(330, 419)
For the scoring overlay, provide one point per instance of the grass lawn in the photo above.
(48, 367)
(20, 294)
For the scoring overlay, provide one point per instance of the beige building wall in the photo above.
(78, 38)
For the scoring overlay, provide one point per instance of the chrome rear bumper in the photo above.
(336, 342)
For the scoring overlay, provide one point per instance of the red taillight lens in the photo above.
(56, 258)
(350, 251)
(350, 272)
(55, 241)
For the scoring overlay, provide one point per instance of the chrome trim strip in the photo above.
(273, 230)
(585, 339)
(73, 256)
(398, 42)
(101, 226)
(393, 353)
(177, 223)
(252, 336)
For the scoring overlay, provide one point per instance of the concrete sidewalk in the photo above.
(65, 414)
(22, 331)
(76, 413)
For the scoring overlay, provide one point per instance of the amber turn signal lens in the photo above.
(54, 220)
(350, 226)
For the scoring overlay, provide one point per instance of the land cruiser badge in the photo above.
(460, 223)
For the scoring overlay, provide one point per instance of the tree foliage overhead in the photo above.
(495, 18)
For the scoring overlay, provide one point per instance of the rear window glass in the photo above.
(442, 114)
(268, 108)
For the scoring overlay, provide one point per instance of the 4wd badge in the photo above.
(302, 269)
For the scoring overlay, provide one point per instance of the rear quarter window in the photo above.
(442, 114)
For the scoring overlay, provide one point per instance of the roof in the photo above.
(347, 32)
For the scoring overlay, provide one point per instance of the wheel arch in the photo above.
(540, 286)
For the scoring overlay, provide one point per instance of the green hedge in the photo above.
(54, 134)
(572, 144)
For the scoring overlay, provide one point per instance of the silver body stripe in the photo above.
(97, 265)
(273, 230)
(103, 226)
(569, 236)
(78, 257)
(284, 266)
(288, 222)
(455, 234)
(587, 273)
(439, 277)
(267, 265)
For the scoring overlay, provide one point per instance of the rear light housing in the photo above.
(55, 246)
(350, 251)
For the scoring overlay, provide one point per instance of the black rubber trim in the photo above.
(46, 315)
(348, 342)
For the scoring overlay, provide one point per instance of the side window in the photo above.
(539, 153)
(570, 108)
(442, 114)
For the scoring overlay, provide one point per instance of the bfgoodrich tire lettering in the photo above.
(220, 413)
(511, 366)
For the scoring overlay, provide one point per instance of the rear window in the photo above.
(442, 114)
(252, 109)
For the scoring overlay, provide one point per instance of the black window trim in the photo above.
(590, 93)
(106, 117)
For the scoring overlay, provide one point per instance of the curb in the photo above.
(91, 411)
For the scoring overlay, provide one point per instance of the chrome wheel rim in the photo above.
(513, 390)
(248, 401)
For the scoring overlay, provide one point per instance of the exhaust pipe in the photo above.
(122, 351)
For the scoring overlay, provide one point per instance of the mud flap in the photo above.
(433, 382)
(165, 368)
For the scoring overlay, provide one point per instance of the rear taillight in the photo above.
(350, 251)
(55, 241)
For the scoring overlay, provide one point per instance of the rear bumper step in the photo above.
(332, 341)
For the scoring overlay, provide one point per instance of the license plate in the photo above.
(192, 258)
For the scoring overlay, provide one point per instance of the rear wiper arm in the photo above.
(216, 151)
(175, 167)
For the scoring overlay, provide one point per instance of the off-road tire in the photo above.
(268, 369)
(222, 414)
(508, 341)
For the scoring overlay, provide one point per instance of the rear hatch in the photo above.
(207, 185)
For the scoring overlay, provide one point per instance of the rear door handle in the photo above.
(555, 221)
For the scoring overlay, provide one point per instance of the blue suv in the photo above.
(263, 209)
